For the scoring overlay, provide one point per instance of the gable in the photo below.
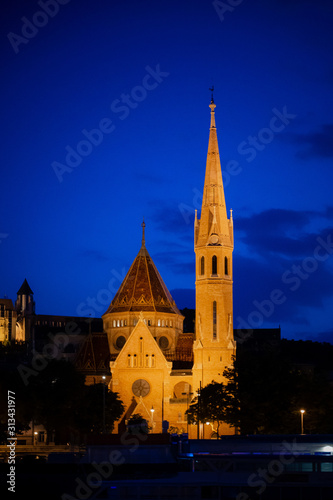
(141, 350)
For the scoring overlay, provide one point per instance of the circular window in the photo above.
(120, 342)
(140, 387)
(163, 342)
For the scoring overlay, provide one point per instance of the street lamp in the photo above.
(302, 426)
(152, 416)
(199, 408)
(103, 377)
(187, 394)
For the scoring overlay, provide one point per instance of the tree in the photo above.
(66, 407)
(98, 400)
(137, 424)
(267, 392)
(211, 405)
(10, 380)
(57, 394)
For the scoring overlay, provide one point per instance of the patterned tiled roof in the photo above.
(94, 354)
(143, 289)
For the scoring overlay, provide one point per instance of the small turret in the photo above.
(25, 301)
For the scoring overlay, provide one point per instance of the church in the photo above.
(138, 347)
(155, 367)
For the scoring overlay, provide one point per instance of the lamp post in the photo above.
(103, 377)
(302, 426)
(152, 416)
(199, 408)
(187, 394)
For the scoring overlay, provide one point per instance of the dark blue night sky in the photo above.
(106, 121)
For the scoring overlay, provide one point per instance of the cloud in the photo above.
(170, 218)
(318, 144)
(282, 255)
(179, 262)
(278, 248)
(282, 232)
(258, 285)
(326, 336)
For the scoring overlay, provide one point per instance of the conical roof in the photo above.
(25, 289)
(143, 289)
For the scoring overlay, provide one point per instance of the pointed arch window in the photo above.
(214, 264)
(214, 320)
(226, 267)
(202, 265)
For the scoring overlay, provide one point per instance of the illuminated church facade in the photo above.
(155, 367)
(138, 347)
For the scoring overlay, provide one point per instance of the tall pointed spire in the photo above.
(213, 246)
(213, 219)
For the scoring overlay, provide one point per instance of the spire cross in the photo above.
(143, 225)
(212, 90)
(212, 108)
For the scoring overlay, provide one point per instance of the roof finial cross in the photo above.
(212, 90)
(143, 225)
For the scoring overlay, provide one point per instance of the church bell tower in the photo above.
(213, 243)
